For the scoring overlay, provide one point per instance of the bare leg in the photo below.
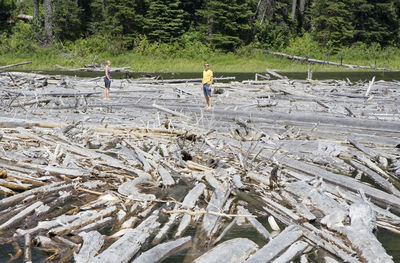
(209, 102)
(106, 91)
(206, 97)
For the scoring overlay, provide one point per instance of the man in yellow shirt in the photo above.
(207, 84)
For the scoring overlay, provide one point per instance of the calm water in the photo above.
(240, 76)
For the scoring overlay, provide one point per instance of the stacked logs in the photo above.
(275, 172)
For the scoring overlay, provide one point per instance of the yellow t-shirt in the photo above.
(207, 75)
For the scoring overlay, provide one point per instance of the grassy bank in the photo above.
(158, 59)
(184, 54)
(219, 62)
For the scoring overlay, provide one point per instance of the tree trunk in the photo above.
(302, 6)
(48, 27)
(294, 2)
(36, 9)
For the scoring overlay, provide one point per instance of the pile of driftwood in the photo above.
(278, 170)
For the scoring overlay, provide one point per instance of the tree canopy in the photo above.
(221, 24)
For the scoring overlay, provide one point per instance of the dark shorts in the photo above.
(107, 82)
(206, 89)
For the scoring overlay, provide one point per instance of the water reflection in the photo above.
(240, 76)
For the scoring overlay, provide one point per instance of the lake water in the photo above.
(240, 76)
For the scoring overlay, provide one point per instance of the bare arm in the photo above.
(107, 73)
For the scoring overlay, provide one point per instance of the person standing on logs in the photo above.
(107, 80)
(207, 84)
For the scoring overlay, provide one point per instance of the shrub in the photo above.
(304, 46)
(20, 41)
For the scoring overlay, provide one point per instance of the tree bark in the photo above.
(36, 9)
(294, 4)
(48, 26)
(302, 6)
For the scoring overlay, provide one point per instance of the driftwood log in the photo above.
(308, 170)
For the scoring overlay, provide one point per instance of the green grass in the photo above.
(256, 62)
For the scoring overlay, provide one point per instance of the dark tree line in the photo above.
(223, 24)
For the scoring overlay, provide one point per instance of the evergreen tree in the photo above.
(66, 19)
(331, 24)
(274, 26)
(375, 22)
(164, 20)
(190, 17)
(122, 19)
(226, 24)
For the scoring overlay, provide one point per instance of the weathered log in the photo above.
(300, 208)
(234, 250)
(5, 191)
(317, 61)
(231, 224)
(337, 179)
(130, 187)
(20, 215)
(216, 203)
(166, 177)
(92, 243)
(292, 252)
(43, 189)
(255, 223)
(196, 166)
(281, 208)
(373, 166)
(276, 75)
(202, 212)
(360, 233)
(370, 86)
(50, 169)
(95, 225)
(159, 81)
(14, 65)
(164, 250)
(377, 178)
(334, 212)
(14, 186)
(188, 202)
(27, 103)
(82, 221)
(326, 235)
(174, 113)
(127, 246)
(360, 147)
(27, 249)
(259, 178)
(276, 245)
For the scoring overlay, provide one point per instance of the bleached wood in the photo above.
(92, 243)
(231, 251)
(127, 246)
(161, 251)
(276, 245)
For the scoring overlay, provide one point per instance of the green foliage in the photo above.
(273, 26)
(226, 24)
(365, 31)
(186, 47)
(304, 46)
(121, 20)
(270, 36)
(66, 20)
(20, 41)
(376, 21)
(99, 44)
(332, 26)
(164, 20)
